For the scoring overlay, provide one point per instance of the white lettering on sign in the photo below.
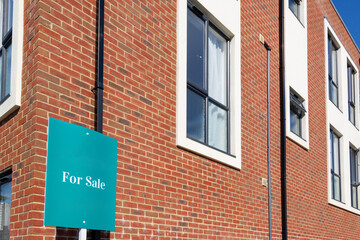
(94, 183)
(90, 182)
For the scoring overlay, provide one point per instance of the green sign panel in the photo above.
(80, 177)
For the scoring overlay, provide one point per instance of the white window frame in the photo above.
(354, 175)
(340, 161)
(13, 102)
(223, 18)
(355, 92)
(337, 119)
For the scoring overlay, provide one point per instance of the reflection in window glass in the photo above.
(195, 51)
(295, 7)
(195, 116)
(5, 202)
(9, 19)
(332, 72)
(295, 123)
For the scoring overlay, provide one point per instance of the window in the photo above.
(5, 50)
(335, 166)
(355, 177)
(5, 202)
(333, 72)
(295, 7)
(297, 112)
(208, 110)
(351, 93)
(11, 53)
(208, 85)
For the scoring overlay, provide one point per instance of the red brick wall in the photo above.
(310, 215)
(165, 192)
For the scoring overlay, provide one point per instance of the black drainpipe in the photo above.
(100, 67)
(283, 126)
(99, 87)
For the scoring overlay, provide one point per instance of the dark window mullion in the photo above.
(335, 174)
(206, 74)
(6, 39)
(218, 104)
(330, 87)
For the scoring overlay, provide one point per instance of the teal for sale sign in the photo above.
(80, 178)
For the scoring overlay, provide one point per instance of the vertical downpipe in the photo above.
(283, 125)
(268, 50)
(100, 67)
(100, 72)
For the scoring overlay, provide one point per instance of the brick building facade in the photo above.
(167, 187)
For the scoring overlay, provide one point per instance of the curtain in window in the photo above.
(217, 90)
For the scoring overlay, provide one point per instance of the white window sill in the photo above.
(203, 150)
(344, 206)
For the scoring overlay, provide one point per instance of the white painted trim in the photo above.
(223, 16)
(14, 100)
(337, 119)
(296, 68)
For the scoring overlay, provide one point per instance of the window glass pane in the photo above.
(352, 166)
(334, 64)
(217, 66)
(336, 155)
(195, 50)
(8, 70)
(195, 116)
(336, 183)
(295, 123)
(9, 15)
(354, 202)
(293, 6)
(218, 129)
(329, 58)
(5, 201)
(351, 85)
(352, 114)
(334, 94)
(2, 17)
